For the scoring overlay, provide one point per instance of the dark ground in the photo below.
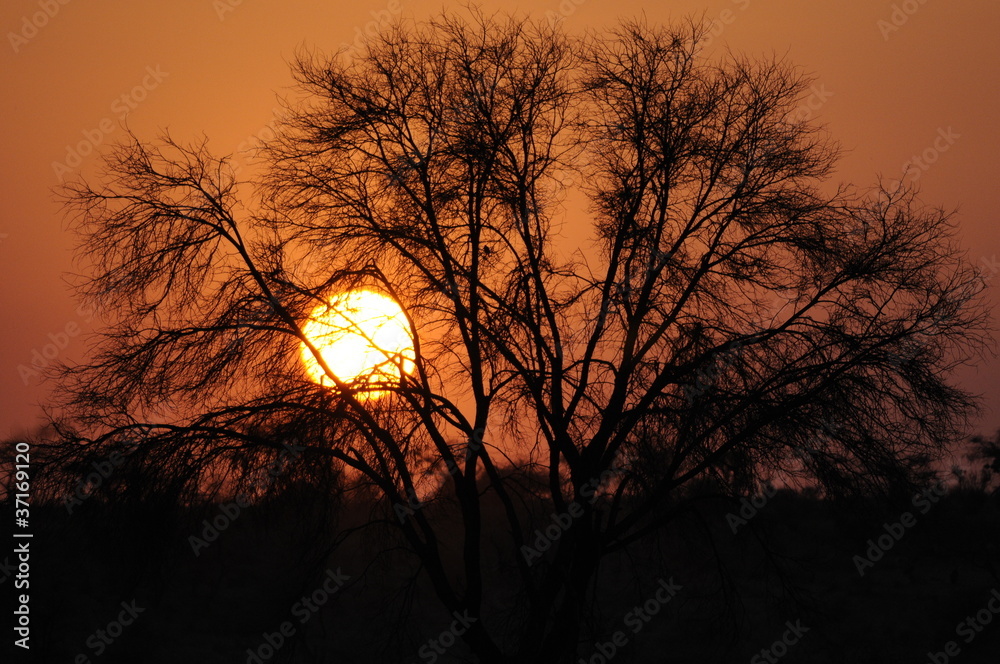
(791, 563)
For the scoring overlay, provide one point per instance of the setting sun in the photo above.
(364, 338)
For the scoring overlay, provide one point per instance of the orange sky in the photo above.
(214, 68)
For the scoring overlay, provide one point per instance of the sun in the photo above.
(364, 338)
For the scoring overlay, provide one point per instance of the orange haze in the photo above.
(925, 79)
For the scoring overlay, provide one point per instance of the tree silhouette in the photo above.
(732, 315)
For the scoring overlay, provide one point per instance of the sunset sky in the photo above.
(893, 81)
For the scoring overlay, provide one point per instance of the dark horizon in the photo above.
(886, 95)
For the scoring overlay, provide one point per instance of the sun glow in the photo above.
(364, 338)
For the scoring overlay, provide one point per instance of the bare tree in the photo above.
(733, 314)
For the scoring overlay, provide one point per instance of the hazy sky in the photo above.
(894, 81)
